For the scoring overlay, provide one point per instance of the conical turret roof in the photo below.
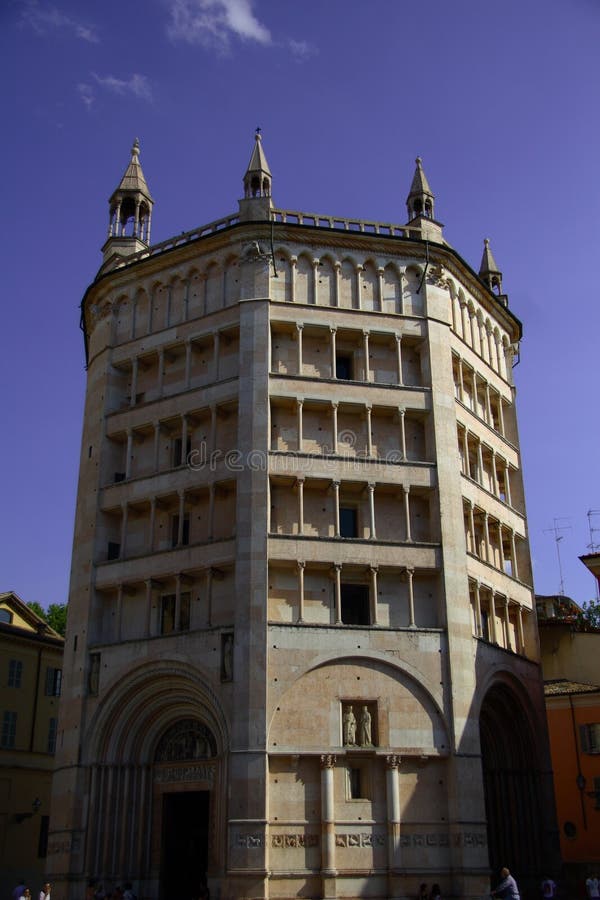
(488, 263)
(258, 160)
(133, 180)
(419, 185)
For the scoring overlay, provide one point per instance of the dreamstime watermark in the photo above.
(345, 456)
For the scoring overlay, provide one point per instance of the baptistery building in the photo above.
(302, 656)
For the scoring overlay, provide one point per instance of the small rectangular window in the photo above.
(113, 551)
(167, 614)
(348, 521)
(119, 476)
(52, 731)
(179, 458)
(53, 681)
(9, 730)
(185, 531)
(357, 787)
(43, 837)
(589, 737)
(15, 673)
(343, 367)
(184, 611)
(355, 604)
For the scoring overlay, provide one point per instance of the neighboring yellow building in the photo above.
(572, 691)
(30, 678)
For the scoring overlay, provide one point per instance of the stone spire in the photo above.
(489, 271)
(420, 198)
(419, 204)
(257, 203)
(130, 214)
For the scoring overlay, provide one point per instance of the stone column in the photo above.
(406, 493)
(149, 586)
(337, 572)
(513, 550)
(152, 525)
(359, 269)
(392, 765)
(134, 380)
(507, 484)
(410, 572)
(315, 282)
(184, 439)
(373, 573)
(293, 265)
(328, 869)
(188, 364)
(300, 565)
(507, 624)
(338, 268)
(161, 371)
(491, 347)
(479, 462)
(300, 362)
(500, 547)
(486, 537)
(213, 428)
(474, 398)
(367, 371)
(299, 403)
(379, 298)
(128, 453)
(332, 332)
(368, 409)
(399, 357)
(373, 532)
(478, 626)
(334, 426)
(488, 406)
(123, 531)
(336, 507)
(156, 445)
(181, 516)
(492, 614)
(472, 528)
(466, 453)
(461, 383)
(402, 414)
(520, 632)
(501, 415)
(300, 487)
(495, 487)
(178, 602)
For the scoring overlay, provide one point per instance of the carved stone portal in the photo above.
(186, 740)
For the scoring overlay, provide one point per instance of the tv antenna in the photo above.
(558, 537)
(593, 545)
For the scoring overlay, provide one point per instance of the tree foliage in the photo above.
(589, 616)
(55, 616)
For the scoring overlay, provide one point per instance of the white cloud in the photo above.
(136, 86)
(86, 92)
(214, 22)
(44, 18)
(302, 50)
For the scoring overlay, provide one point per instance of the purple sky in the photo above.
(501, 99)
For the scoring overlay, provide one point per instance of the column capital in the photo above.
(368, 407)
(334, 404)
(366, 332)
(337, 567)
(300, 563)
(299, 326)
(332, 329)
(393, 760)
(371, 486)
(335, 484)
(398, 336)
(373, 570)
(328, 760)
(410, 571)
(299, 401)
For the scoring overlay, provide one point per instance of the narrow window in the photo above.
(185, 535)
(589, 737)
(15, 672)
(355, 604)
(9, 730)
(43, 837)
(52, 731)
(113, 551)
(178, 457)
(355, 791)
(53, 681)
(167, 614)
(184, 611)
(343, 367)
(348, 521)
(5, 616)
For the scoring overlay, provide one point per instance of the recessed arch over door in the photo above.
(511, 783)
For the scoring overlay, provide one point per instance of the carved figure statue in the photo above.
(364, 728)
(349, 726)
(228, 658)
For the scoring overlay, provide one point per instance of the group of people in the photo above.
(22, 892)
(96, 891)
(434, 894)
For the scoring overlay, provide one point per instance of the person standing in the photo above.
(18, 890)
(548, 888)
(436, 893)
(592, 886)
(507, 887)
(45, 891)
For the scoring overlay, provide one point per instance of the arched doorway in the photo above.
(184, 775)
(511, 784)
